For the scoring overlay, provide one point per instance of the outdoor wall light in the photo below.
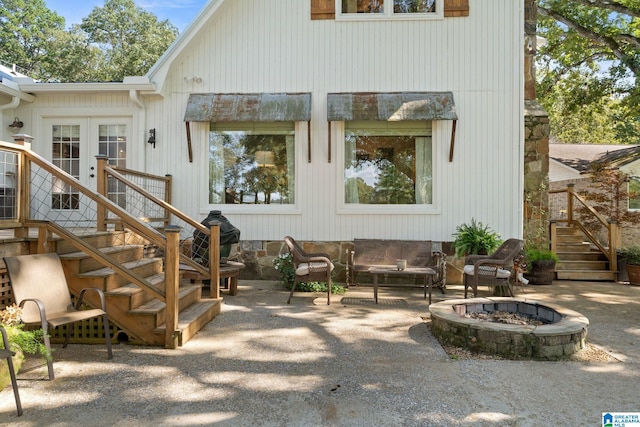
(16, 125)
(152, 137)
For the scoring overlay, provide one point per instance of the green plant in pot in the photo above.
(475, 238)
(20, 341)
(541, 265)
(630, 256)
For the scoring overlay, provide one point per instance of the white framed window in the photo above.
(387, 165)
(252, 163)
(389, 9)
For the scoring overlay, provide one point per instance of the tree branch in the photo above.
(610, 42)
(612, 5)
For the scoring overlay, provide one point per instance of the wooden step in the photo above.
(131, 296)
(187, 295)
(97, 239)
(587, 275)
(573, 247)
(581, 256)
(106, 279)
(582, 265)
(193, 319)
(119, 254)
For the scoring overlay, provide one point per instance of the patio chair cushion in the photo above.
(500, 274)
(303, 268)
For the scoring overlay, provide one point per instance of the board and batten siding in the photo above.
(274, 46)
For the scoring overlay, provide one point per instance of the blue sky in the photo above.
(179, 12)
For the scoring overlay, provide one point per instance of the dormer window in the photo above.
(402, 9)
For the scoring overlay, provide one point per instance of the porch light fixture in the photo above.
(152, 137)
(16, 125)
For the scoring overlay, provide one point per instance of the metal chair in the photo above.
(40, 280)
(309, 267)
(492, 270)
(6, 353)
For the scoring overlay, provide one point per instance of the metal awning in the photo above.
(248, 107)
(394, 106)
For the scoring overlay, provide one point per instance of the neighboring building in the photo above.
(571, 164)
(327, 120)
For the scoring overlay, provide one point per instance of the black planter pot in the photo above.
(541, 272)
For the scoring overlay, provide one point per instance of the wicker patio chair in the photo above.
(40, 281)
(309, 267)
(6, 353)
(492, 270)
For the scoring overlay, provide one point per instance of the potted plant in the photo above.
(475, 238)
(20, 341)
(630, 256)
(541, 265)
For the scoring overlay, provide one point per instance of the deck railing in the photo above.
(567, 206)
(39, 195)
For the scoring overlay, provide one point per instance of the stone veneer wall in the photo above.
(536, 174)
(259, 263)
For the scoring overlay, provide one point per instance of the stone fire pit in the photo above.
(546, 332)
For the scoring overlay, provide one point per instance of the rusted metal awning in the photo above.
(395, 106)
(248, 107)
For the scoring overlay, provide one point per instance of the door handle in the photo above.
(91, 176)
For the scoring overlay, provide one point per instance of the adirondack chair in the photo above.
(6, 353)
(40, 281)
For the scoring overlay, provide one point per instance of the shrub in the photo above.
(284, 265)
(475, 238)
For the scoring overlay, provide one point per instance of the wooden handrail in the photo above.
(609, 252)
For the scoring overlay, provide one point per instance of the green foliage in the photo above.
(475, 238)
(284, 265)
(588, 70)
(631, 255)
(131, 39)
(30, 342)
(537, 254)
(114, 41)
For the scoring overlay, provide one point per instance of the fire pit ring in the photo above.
(562, 332)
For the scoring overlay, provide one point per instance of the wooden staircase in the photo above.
(134, 310)
(577, 260)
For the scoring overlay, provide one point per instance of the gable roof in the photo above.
(581, 156)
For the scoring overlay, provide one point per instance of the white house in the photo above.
(327, 120)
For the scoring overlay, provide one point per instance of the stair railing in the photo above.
(144, 204)
(54, 202)
(565, 206)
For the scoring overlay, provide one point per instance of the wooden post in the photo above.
(214, 260)
(43, 240)
(102, 190)
(553, 236)
(167, 198)
(570, 204)
(614, 245)
(24, 188)
(172, 282)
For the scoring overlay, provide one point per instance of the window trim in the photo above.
(300, 141)
(344, 208)
(388, 14)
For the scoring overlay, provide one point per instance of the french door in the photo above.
(72, 145)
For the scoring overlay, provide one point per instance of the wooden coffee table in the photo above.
(425, 272)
